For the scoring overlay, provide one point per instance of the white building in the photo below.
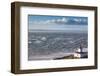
(81, 54)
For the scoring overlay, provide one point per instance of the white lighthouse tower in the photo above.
(80, 52)
(77, 53)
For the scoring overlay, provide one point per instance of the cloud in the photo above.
(62, 20)
(80, 20)
(77, 20)
(55, 21)
(52, 21)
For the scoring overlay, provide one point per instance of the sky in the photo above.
(47, 22)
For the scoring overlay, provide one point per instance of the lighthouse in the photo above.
(81, 48)
(81, 52)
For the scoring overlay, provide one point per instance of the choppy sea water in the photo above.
(50, 45)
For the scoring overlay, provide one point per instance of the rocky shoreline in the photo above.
(67, 57)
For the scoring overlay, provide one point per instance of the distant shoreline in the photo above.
(56, 31)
